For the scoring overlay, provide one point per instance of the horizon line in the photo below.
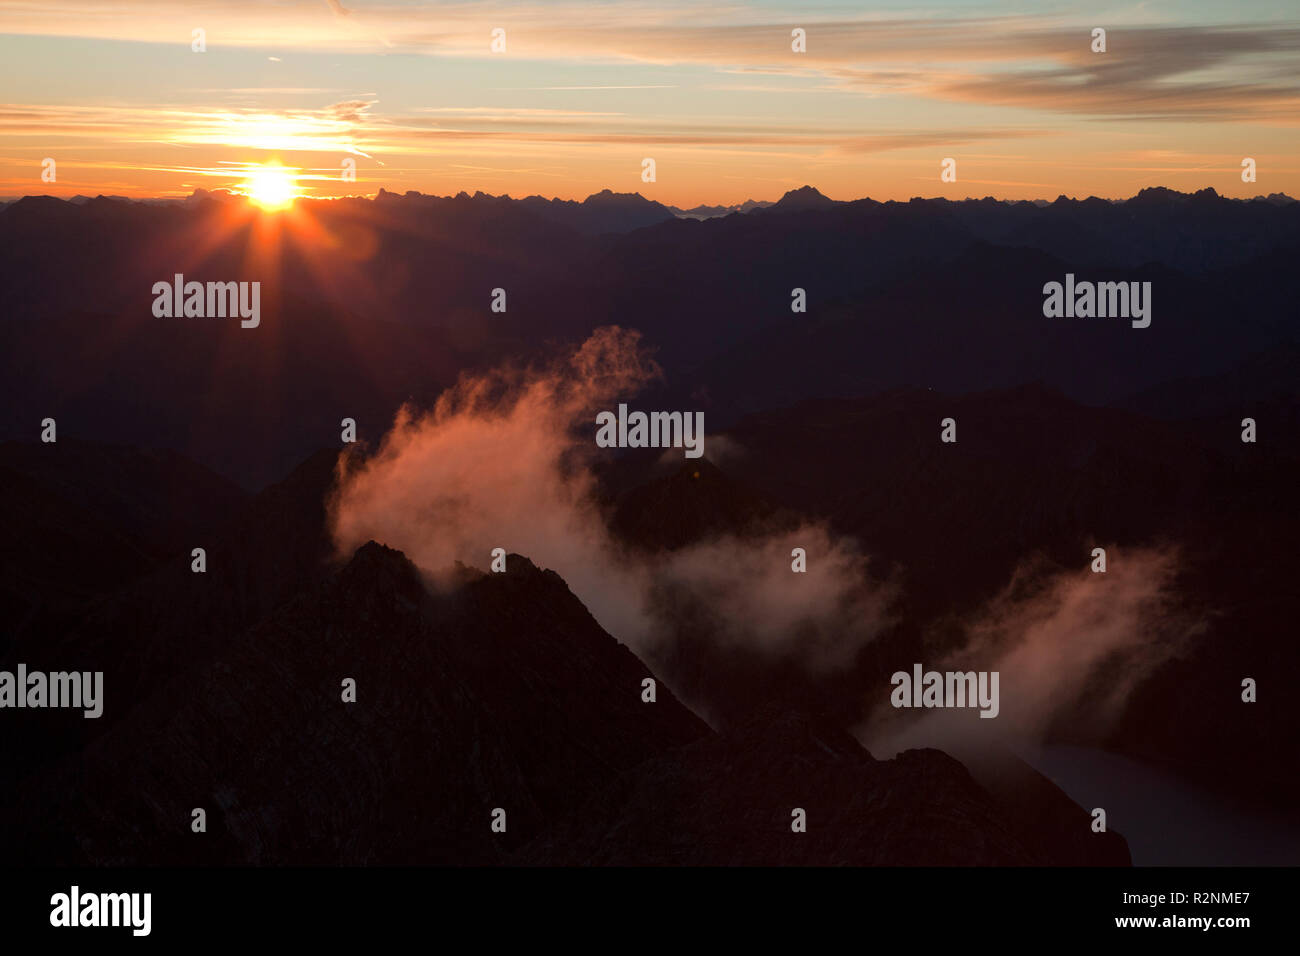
(221, 194)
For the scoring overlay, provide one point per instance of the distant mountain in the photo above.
(966, 316)
(502, 690)
(1261, 386)
(692, 503)
(712, 212)
(247, 405)
(600, 213)
(84, 520)
(801, 200)
(368, 302)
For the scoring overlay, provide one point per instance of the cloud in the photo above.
(743, 594)
(349, 111)
(1154, 71)
(1149, 73)
(349, 125)
(505, 459)
(1070, 646)
(331, 129)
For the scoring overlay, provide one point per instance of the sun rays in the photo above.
(271, 186)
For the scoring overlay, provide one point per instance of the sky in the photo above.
(583, 93)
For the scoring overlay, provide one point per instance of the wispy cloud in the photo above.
(593, 88)
(1037, 61)
(350, 124)
(333, 128)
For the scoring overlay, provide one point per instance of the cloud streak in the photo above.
(1042, 62)
(714, 94)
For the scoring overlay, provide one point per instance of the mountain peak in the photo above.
(1156, 194)
(805, 197)
(381, 576)
(609, 196)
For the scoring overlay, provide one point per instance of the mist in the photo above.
(1070, 645)
(505, 460)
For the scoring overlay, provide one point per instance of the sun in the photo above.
(271, 186)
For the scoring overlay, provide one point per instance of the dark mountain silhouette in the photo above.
(505, 693)
(88, 521)
(602, 212)
(1035, 474)
(803, 199)
(1033, 477)
(695, 502)
(728, 800)
(245, 405)
(927, 327)
(1262, 387)
(711, 212)
(502, 692)
(149, 619)
(368, 302)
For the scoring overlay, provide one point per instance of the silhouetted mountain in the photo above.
(975, 321)
(1262, 387)
(244, 404)
(368, 302)
(82, 520)
(695, 502)
(1033, 474)
(728, 800)
(712, 212)
(499, 692)
(602, 212)
(150, 618)
(802, 199)
(504, 693)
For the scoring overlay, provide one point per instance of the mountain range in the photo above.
(502, 692)
(928, 293)
(479, 690)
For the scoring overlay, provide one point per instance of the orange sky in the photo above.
(582, 93)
